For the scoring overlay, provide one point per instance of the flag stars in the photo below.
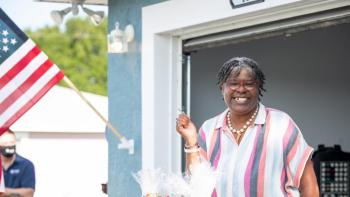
(5, 48)
(13, 41)
(5, 33)
(5, 40)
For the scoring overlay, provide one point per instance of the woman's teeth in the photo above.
(240, 100)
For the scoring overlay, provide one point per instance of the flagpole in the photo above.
(125, 144)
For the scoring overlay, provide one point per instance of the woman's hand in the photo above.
(186, 129)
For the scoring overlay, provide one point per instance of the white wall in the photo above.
(67, 165)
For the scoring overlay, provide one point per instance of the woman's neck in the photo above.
(238, 120)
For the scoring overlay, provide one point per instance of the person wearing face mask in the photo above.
(19, 173)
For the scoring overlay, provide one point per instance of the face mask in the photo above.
(8, 151)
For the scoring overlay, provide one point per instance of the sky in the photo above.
(30, 14)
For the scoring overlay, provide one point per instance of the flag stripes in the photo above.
(26, 73)
(18, 91)
(18, 67)
(21, 76)
(30, 97)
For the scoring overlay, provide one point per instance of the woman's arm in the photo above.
(308, 183)
(187, 130)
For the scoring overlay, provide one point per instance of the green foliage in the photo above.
(79, 50)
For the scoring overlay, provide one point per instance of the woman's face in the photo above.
(241, 92)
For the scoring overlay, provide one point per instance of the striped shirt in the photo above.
(269, 160)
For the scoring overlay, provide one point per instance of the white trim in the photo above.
(271, 29)
(164, 26)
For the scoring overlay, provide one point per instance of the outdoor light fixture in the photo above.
(95, 16)
(58, 15)
(118, 40)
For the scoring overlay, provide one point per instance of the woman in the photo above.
(257, 151)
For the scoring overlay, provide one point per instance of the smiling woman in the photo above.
(241, 86)
(249, 142)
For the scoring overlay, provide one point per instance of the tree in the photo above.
(79, 50)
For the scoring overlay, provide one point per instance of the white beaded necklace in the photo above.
(245, 126)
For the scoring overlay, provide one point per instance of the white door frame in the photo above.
(164, 26)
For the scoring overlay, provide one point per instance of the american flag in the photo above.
(26, 73)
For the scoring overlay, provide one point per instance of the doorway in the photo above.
(306, 67)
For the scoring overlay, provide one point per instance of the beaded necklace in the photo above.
(245, 126)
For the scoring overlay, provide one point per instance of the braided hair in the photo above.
(235, 65)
